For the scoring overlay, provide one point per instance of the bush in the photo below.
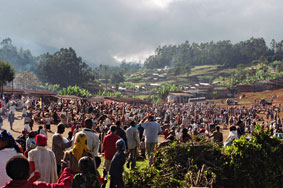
(254, 163)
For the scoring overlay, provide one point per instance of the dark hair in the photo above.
(10, 141)
(88, 123)
(18, 168)
(86, 165)
(218, 128)
(133, 124)
(113, 128)
(118, 123)
(61, 128)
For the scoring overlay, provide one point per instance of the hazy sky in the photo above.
(104, 30)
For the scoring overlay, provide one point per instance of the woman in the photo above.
(8, 148)
(79, 150)
(87, 178)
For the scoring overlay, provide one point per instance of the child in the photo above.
(88, 176)
(117, 165)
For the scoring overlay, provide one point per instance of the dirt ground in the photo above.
(246, 101)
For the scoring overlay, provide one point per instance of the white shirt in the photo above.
(151, 130)
(132, 137)
(5, 155)
(45, 163)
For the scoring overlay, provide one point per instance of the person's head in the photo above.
(150, 118)
(18, 168)
(70, 134)
(120, 145)
(118, 123)
(40, 127)
(88, 123)
(7, 141)
(41, 140)
(61, 128)
(217, 128)
(113, 129)
(185, 131)
(132, 124)
(32, 134)
(233, 128)
(86, 165)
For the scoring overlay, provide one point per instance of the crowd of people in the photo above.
(118, 133)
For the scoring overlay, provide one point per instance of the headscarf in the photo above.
(121, 143)
(41, 140)
(80, 146)
(11, 143)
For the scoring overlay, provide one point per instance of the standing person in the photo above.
(151, 131)
(109, 146)
(117, 165)
(121, 132)
(43, 161)
(92, 138)
(8, 148)
(133, 143)
(59, 146)
(1, 121)
(232, 136)
(47, 122)
(11, 119)
(18, 169)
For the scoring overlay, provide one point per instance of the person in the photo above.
(185, 137)
(79, 150)
(59, 146)
(151, 131)
(218, 136)
(92, 138)
(1, 121)
(31, 143)
(11, 119)
(109, 146)
(18, 169)
(42, 131)
(47, 122)
(87, 178)
(43, 161)
(8, 148)
(133, 143)
(120, 132)
(232, 136)
(117, 165)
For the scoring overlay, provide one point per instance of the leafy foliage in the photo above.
(63, 68)
(254, 163)
(7, 73)
(75, 90)
(26, 80)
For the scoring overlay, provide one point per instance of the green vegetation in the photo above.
(75, 90)
(7, 74)
(254, 163)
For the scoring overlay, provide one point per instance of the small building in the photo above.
(179, 97)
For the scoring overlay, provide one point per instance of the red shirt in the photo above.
(109, 145)
(65, 181)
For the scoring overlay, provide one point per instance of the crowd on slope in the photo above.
(118, 133)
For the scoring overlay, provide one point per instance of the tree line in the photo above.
(224, 53)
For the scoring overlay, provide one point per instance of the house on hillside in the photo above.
(179, 97)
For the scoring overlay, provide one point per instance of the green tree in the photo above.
(7, 74)
(117, 78)
(64, 68)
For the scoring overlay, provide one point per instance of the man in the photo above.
(121, 133)
(133, 142)
(92, 138)
(59, 146)
(109, 146)
(151, 131)
(11, 119)
(18, 169)
(43, 161)
(218, 136)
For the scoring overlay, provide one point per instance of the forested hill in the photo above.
(19, 58)
(215, 53)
